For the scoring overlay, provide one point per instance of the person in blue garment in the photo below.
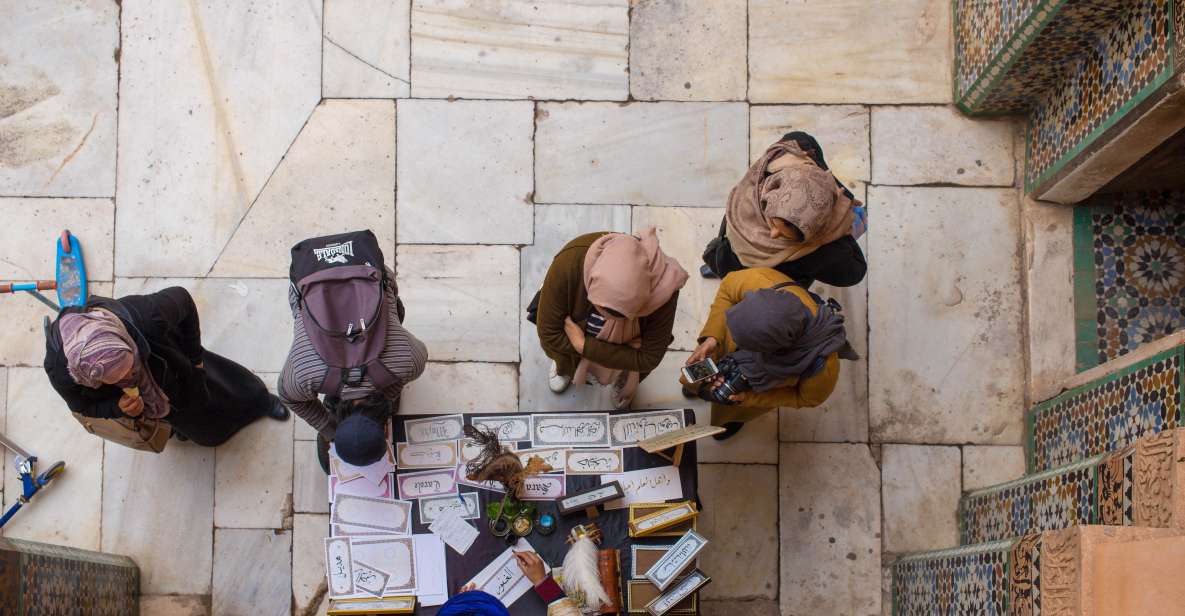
(471, 602)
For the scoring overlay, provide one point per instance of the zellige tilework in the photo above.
(959, 582)
(1047, 501)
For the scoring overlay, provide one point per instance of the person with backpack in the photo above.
(791, 214)
(139, 360)
(606, 311)
(773, 344)
(348, 344)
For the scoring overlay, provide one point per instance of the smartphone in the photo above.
(700, 370)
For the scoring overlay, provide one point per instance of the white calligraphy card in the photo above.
(553, 457)
(394, 555)
(369, 579)
(346, 530)
(440, 454)
(433, 429)
(454, 532)
(676, 559)
(626, 430)
(502, 577)
(570, 430)
(373, 473)
(649, 485)
(492, 486)
(383, 489)
(427, 483)
(393, 516)
(339, 566)
(542, 488)
(465, 505)
(507, 427)
(431, 570)
(593, 461)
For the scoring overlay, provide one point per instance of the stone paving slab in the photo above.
(990, 465)
(308, 559)
(940, 145)
(32, 227)
(688, 51)
(174, 605)
(58, 99)
(740, 519)
(360, 60)
(253, 476)
(921, 489)
(252, 572)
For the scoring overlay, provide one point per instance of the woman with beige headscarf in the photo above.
(789, 213)
(606, 311)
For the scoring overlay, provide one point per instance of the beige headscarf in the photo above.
(633, 277)
(785, 183)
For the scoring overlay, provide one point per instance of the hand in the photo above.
(575, 334)
(131, 406)
(532, 566)
(701, 352)
(468, 587)
(741, 397)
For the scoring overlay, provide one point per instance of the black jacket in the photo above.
(167, 333)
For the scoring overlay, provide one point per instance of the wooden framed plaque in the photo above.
(662, 519)
(643, 557)
(637, 510)
(676, 559)
(641, 592)
(680, 592)
(386, 605)
(589, 499)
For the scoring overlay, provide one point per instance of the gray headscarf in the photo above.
(777, 337)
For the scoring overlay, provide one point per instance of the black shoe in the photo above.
(277, 410)
(730, 429)
(707, 272)
(687, 393)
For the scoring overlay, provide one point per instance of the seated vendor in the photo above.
(774, 343)
(472, 602)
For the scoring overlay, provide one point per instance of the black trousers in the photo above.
(237, 398)
(840, 263)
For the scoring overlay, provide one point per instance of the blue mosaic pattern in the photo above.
(1138, 245)
(1048, 501)
(1122, 65)
(968, 581)
(1107, 415)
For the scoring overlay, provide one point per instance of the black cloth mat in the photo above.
(614, 524)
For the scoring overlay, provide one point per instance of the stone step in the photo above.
(1142, 484)
(1108, 407)
(1083, 570)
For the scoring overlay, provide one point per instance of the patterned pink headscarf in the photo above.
(97, 347)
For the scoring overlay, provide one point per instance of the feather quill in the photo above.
(582, 578)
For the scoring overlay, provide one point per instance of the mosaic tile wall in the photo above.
(1008, 53)
(1047, 501)
(1108, 414)
(958, 582)
(1124, 65)
(1129, 272)
(38, 579)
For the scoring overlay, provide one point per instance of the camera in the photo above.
(734, 383)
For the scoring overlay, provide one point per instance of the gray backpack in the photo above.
(340, 283)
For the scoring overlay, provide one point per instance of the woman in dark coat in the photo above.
(143, 355)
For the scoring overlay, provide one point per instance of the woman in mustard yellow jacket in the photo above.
(775, 343)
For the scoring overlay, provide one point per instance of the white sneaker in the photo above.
(557, 383)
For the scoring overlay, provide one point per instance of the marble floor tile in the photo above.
(989, 465)
(588, 153)
(661, 390)
(174, 605)
(841, 130)
(310, 488)
(838, 52)
(732, 607)
(683, 233)
(308, 559)
(940, 145)
(921, 489)
(756, 443)
(302, 431)
(339, 176)
(462, 301)
(22, 339)
(462, 387)
(830, 521)
(561, 49)
(844, 416)
(465, 172)
(555, 226)
(367, 49)
(252, 572)
(31, 229)
(688, 51)
(253, 476)
(740, 515)
(242, 80)
(944, 316)
(57, 107)
(68, 512)
(1049, 278)
(247, 320)
(159, 506)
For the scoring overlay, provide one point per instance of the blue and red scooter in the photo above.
(70, 283)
